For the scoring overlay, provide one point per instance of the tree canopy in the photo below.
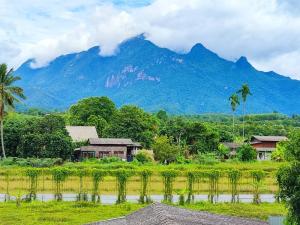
(93, 106)
(38, 137)
(132, 122)
(164, 150)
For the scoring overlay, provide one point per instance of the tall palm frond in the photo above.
(9, 94)
(244, 91)
(234, 102)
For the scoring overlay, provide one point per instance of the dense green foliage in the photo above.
(145, 175)
(143, 156)
(132, 122)
(10, 94)
(289, 178)
(168, 180)
(126, 122)
(94, 111)
(234, 177)
(179, 139)
(31, 162)
(41, 137)
(246, 153)
(164, 151)
(122, 176)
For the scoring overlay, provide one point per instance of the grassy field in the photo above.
(72, 213)
(19, 184)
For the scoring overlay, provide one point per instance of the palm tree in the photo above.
(234, 102)
(244, 91)
(9, 94)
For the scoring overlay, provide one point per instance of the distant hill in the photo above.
(154, 78)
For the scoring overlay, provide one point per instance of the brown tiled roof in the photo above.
(110, 141)
(231, 144)
(269, 138)
(161, 214)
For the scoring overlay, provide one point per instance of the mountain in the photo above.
(155, 78)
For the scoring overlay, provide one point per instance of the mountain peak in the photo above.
(199, 51)
(95, 49)
(243, 63)
(199, 48)
(134, 40)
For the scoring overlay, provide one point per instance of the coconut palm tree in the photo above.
(244, 91)
(9, 94)
(234, 102)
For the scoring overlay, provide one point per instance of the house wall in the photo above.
(104, 151)
(264, 145)
(264, 149)
(119, 151)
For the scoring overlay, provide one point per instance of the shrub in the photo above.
(98, 176)
(206, 158)
(292, 147)
(223, 151)
(164, 151)
(289, 186)
(192, 177)
(246, 153)
(289, 178)
(122, 177)
(111, 159)
(145, 176)
(258, 177)
(144, 156)
(234, 177)
(180, 159)
(33, 162)
(59, 175)
(214, 177)
(168, 180)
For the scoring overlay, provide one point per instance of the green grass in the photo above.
(60, 213)
(261, 211)
(65, 213)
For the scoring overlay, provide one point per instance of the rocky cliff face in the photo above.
(156, 78)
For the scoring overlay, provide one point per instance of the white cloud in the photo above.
(266, 31)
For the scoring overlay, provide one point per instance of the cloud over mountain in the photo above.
(264, 30)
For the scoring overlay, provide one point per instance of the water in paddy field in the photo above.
(111, 199)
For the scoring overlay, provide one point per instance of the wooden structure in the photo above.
(107, 147)
(233, 148)
(265, 145)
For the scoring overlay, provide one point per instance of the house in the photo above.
(161, 214)
(265, 145)
(106, 147)
(81, 133)
(233, 147)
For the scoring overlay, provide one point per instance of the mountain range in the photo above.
(155, 78)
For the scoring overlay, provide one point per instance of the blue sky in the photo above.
(265, 31)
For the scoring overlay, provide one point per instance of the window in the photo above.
(87, 154)
(104, 154)
(119, 153)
